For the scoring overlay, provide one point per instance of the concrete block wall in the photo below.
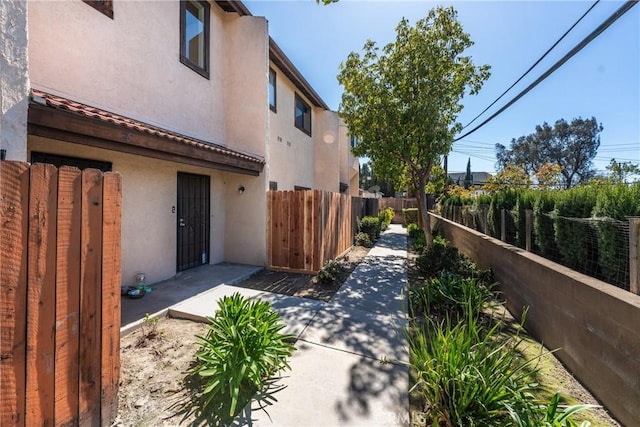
(595, 326)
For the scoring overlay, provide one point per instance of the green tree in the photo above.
(620, 171)
(468, 177)
(572, 146)
(511, 177)
(402, 101)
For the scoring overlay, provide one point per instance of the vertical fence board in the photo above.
(111, 279)
(308, 230)
(90, 297)
(14, 207)
(41, 295)
(270, 227)
(296, 235)
(67, 296)
(317, 227)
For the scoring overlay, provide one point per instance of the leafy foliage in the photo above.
(242, 349)
(467, 377)
(402, 101)
(370, 225)
(416, 234)
(572, 146)
(330, 272)
(620, 171)
(386, 216)
(410, 215)
(510, 177)
(362, 239)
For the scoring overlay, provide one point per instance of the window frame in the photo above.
(103, 6)
(204, 72)
(298, 99)
(273, 106)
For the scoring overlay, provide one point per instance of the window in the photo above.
(80, 163)
(103, 6)
(354, 142)
(194, 36)
(272, 90)
(273, 186)
(303, 116)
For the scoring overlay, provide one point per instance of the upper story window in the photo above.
(104, 6)
(194, 35)
(272, 89)
(303, 116)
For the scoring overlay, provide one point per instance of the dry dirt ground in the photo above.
(154, 362)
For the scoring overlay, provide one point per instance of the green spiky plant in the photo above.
(242, 351)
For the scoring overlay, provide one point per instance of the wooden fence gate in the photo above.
(307, 228)
(59, 295)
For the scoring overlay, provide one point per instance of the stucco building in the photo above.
(198, 109)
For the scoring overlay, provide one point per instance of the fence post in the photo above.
(528, 227)
(634, 255)
(503, 225)
(485, 215)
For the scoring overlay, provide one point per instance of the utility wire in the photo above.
(595, 33)
(534, 65)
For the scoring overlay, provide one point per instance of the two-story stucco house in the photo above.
(198, 109)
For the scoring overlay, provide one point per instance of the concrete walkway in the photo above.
(336, 376)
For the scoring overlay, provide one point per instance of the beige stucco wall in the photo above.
(14, 80)
(247, 121)
(130, 65)
(148, 196)
(327, 150)
(291, 151)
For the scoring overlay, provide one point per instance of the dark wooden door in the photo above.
(193, 220)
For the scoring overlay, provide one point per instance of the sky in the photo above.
(601, 81)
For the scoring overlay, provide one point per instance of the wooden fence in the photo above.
(308, 228)
(60, 302)
(398, 205)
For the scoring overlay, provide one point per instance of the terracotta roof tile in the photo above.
(61, 103)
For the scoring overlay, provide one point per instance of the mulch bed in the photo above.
(306, 285)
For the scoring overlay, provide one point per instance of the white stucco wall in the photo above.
(14, 80)
(148, 196)
(291, 151)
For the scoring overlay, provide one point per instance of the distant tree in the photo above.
(510, 177)
(548, 176)
(402, 101)
(468, 177)
(619, 172)
(572, 146)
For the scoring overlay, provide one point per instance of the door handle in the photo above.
(181, 223)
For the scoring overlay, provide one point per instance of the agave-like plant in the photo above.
(239, 356)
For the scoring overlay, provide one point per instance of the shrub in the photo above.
(418, 240)
(439, 257)
(466, 377)
(385, 216)
(450, 296)
(330, 272)
(241, 351)
(362, 239)
(410, 215)
(371, 226)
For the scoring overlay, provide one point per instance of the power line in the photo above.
(535, 64)
(595, 33)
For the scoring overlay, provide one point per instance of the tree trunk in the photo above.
(422, 211)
